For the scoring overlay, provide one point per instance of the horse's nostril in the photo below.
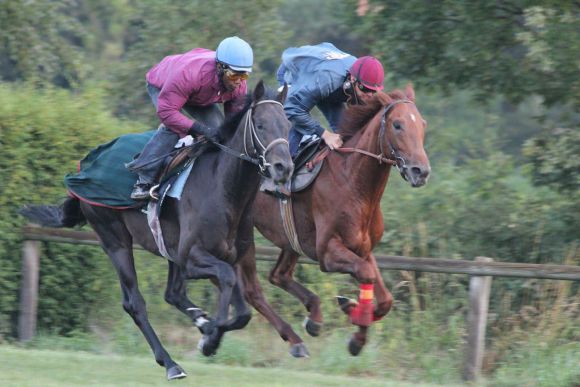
(279, 167)
(416, 171)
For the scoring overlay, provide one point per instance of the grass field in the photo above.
(28, 367)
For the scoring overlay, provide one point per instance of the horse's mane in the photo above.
(228, 128)
(357, 116)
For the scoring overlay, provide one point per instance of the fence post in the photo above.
(29, 290)
(479, 289)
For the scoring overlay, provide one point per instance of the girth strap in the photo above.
(289, 226)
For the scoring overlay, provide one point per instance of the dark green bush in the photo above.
(43, 134)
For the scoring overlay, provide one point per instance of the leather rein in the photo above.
(250, 136)
(393, 160)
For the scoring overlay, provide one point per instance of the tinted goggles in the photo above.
(365, 89)
(236, 75)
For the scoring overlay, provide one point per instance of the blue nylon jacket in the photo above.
(316, 74)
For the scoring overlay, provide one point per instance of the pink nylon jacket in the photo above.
(191, 79)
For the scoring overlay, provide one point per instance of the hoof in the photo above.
(354, 347)
(209, 344)
(312, 327)
(299, 350)
(346, 304)
(205, 346)
(175, 372)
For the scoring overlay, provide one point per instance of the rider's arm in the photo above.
(173, 96)
(280, 74)
(298, 106)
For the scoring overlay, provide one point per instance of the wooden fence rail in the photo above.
(481, 270)
(386, 262)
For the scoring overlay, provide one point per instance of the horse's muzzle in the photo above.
(281, 170)
(416, 175)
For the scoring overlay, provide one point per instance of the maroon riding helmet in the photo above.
(368, 70)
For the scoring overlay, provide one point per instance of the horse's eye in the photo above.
(259, 126)
(397, 125)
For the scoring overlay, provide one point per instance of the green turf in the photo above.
(29, 367)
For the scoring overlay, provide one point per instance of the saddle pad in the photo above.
(102, 178)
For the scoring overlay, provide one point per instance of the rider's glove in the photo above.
(208, 132)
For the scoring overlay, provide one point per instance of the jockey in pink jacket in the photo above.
(193, 83)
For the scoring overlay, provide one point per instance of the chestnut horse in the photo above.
(338, 219)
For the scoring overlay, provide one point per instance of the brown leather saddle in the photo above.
(182, 157)
(306, 171)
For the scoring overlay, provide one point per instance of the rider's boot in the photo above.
(151, 161)
(141, 190)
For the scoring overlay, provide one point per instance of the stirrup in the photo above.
(153, 192)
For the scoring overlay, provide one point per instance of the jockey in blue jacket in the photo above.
(328, 78)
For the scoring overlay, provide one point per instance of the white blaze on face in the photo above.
(413, 117)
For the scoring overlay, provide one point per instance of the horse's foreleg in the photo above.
(243, 314)
(282, 275)
(382, 294)
(255, 296)
(176, 295)
(205, 265)
(337, 258)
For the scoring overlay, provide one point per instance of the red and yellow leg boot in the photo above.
(363, 313)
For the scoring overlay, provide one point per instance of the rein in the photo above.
(250, 131)
(395, 160)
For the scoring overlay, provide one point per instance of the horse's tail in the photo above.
(68, 214)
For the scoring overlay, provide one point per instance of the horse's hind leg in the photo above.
(282, 275)
(117, 243)
(255, 296)
(176, 295)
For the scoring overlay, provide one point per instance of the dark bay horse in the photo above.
(202, 229)
(338, 219)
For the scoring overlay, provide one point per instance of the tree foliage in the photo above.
(554, 159)
(514, 48)
(41, 40)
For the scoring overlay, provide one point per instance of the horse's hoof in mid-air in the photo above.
(209, 344)
(312, 327)
(346, 304)
(355, 346)
(176, 372)
(299, 350)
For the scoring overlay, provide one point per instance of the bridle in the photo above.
(258, 153)
(400, 162)
(392, 158)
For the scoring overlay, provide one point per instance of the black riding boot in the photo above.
(150, 161)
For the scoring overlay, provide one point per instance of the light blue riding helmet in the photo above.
(236, 53)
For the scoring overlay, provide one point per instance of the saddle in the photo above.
(177, 163)
(305, 172)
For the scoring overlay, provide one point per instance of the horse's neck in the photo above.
(240, 178)
(366, 176)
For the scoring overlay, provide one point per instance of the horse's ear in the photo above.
(259, 91)
(410, 92)
(283, 93)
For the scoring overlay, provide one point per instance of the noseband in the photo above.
(259, 151)
(394, 156)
